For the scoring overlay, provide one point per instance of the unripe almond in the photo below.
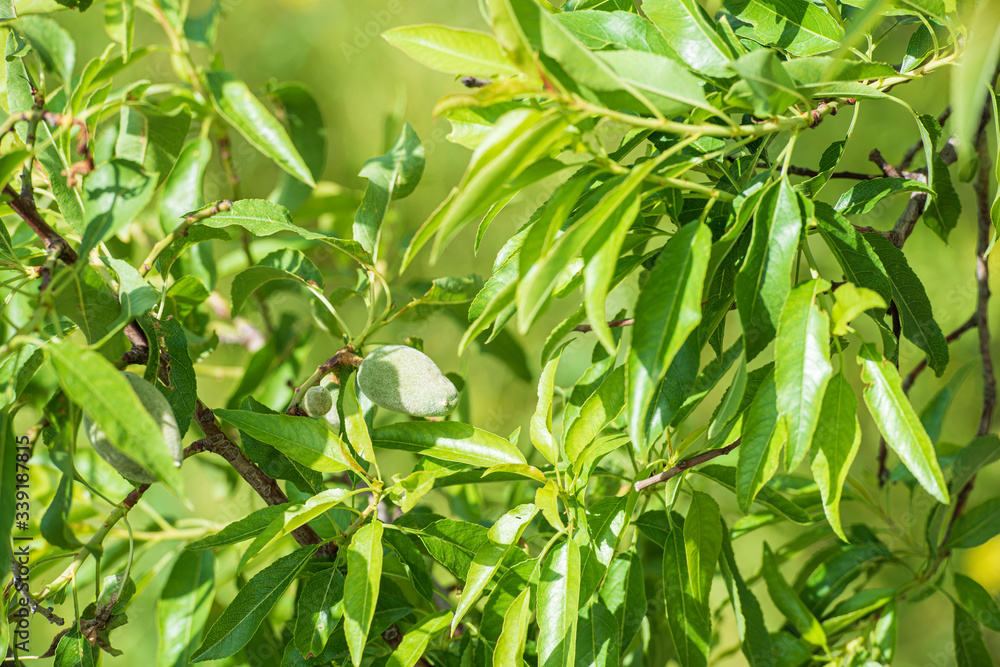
(402, 379)
(159, 409)
(317, 401)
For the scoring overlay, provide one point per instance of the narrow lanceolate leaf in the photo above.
(760, 451)
(319, 610)
(970, 649)
(502, 536)
(557, 609)
(509, 650)
(764, 280)
(303, 440)
(391, 176)
(789, 603)
(603, 407)
(690, 33)
(915, 312)
(754, 638)
(183, 607)
(238, 623)
(600, 257)
(687, 622)
(242, 110)
(540, 428)
(837, 439)
(355, 425)
(978, 601)
(802, 366)
(452, 50)
(417, 638)
(624, 594)
(797, 26)
(898, 422)
(597, 637)
(976, 526)
(364, 575)
(702, 542)
(668, 310)
(107, 398)
(448, 441)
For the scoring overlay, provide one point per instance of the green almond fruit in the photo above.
(317, 401)
(161, 412)
(402, 379)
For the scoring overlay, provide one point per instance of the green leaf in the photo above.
(393, 175)
(667, 311)
(689, 625)
(864, 196)
(827, 163)
(760, 451)
(114, 194)
(858, 260)
(971, 82)
(600, 258)
(319, 610)
(540, 427)
(238, 623)
(50, 42)
(975, 526)
(603, 407)
(665, 83)
(448, 441)
(454, 543)
(603, 30)
(898, 422)
(250, 280)
(624, 594)
(796, 26)
(597, 637)
(789, 603)
(837, 440)
(75, 650)
(183, 607)
(911, 300)
(182, 191)
(301, 114)
(764, 280)
(802, 369)
(294, 516)
(510, 645)
(771, 89)
(970, 649)
(91, 382)
(977, 601)
(972, 458)
(919, 46)
(182, 394)
(452, 50)
(355, 425)
(768, 497)
(240, 109)
(417, 638)
(851, 301)
(502, 536)
(361, 587)
(690, 34)
(702, 542)
(944, 208)
(754, 638)
(557, 608)
(249, 526)
(299, 438)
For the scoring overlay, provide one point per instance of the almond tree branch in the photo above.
(25, 208)
(686, 464)
(985, 225)
(613, 324)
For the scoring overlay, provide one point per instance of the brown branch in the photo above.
(911, 377)
(687, 463)
(266, 487)
(985, 225)
(613, 324)
(887, 169)
(54, 242)
(805, 171)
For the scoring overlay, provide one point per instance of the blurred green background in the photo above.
(364, 88)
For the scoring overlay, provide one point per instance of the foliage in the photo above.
(663, 140)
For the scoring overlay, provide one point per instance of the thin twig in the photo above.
(911, 377)
(344, 357)
(613, 324)
(681, 466)
(182, 230)
(805, 171)
(25, 208)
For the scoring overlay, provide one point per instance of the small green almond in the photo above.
(402, 379)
